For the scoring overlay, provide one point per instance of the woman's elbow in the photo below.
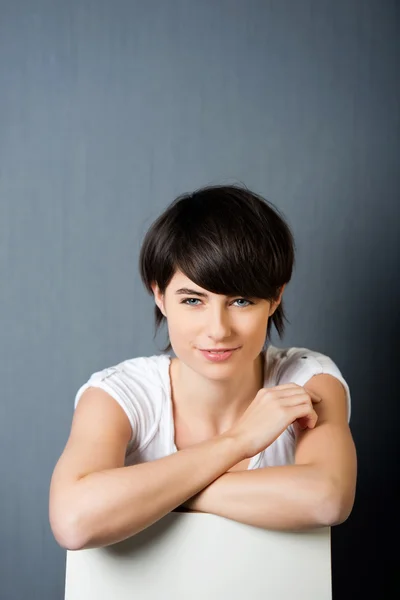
(66, 531)
(336, 507)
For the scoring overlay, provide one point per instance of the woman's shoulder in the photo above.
(139, 386)
(297, 364)
(143, 366)
(139, 377)
(140, 367)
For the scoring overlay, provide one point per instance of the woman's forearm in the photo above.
(109, 506)
(292, 497)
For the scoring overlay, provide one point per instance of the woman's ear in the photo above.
(276, 303)
(158, 298)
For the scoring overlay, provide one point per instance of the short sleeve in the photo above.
(300, 364)
(130, 384)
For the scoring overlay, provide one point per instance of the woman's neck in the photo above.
(214, 406)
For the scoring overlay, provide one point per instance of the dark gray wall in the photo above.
(108, 109)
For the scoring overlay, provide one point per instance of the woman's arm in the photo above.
(96, 501)
(292, 497)
(318, 490)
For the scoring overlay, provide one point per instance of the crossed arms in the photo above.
(318, 490)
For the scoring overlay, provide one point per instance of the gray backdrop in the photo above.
(108, 110)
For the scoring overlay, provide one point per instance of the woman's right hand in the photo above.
(270, 413)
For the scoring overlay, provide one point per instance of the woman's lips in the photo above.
(217, 356)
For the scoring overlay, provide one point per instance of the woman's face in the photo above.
(199, 320)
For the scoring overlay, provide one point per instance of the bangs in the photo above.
(225, 264)
(226, 250)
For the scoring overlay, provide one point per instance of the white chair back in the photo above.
(197, 556)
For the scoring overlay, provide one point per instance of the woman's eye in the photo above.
(192, 301)
(244, 300)
(186, 301)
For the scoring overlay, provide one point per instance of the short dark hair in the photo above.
(226, 239)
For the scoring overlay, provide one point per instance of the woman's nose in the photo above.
(218, 325)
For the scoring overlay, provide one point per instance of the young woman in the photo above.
(231, 424)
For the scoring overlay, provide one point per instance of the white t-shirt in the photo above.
(142, 387)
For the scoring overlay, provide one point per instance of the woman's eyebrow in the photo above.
(192, 292)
